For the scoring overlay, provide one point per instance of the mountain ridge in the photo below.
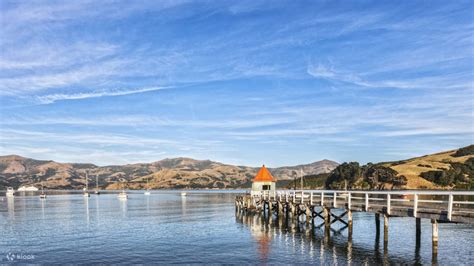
(180, 172)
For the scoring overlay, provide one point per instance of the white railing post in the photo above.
(286, 196)
(322, 198)
(450, 207)
(415, 205)
(388, 203)
(311, 198)
(274, 195)
(366, 202)
(294, 196)
(302, 196)
(349, 201)
(335, 200)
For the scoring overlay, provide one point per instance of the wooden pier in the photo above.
(317, 208)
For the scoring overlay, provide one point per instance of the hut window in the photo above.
(266, 187)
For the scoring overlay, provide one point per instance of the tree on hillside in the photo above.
(346, 173)
(372, 176)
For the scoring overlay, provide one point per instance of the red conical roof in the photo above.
(264, 175)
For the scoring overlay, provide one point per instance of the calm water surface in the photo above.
(202, 228)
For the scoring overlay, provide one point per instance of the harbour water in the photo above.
(202, 227)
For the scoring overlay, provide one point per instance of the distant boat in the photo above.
(10, 192)
(97, 191)
(122, 195)
(25, 188)
(147, 192)
(183, 194)
(42, 195)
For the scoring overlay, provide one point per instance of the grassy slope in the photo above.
(412, 168)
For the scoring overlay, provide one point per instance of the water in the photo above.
(202, 228)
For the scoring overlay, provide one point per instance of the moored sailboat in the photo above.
(122, 195)
(42, 195)
(147, 191)
(97, 191)
(10, 192)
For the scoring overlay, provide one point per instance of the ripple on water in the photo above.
(203, 227)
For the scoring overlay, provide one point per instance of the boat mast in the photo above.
(87, 176)
(301, 174)
(96, 182)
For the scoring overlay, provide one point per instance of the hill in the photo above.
(164, 174)
(417, 170)
(446, 170)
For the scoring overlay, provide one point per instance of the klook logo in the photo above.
(11, 256)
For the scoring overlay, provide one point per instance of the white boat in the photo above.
(183, 194)
(10, 192)
(97, 191)
(122, 195)
(25, 188)
(42, 195)
(147, 192)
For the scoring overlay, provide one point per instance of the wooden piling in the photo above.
(434, 227)
(349, 224)
(308, 213)
(385, 229)
(418, 231)
(377, 224)
(327, 217)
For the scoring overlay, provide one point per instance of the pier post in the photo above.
(377, 224)
(434, 226)
(418, 241)
(418, 231)
(308, 213)
(349, 224)
(327, 217)
(385, 229)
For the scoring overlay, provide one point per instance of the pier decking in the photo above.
(309, 206)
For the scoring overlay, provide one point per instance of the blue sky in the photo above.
(241, 82)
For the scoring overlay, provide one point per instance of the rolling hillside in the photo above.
(168, 173)
(415, 168)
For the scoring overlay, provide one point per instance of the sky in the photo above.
(240, 82)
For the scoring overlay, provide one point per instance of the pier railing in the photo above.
(456, 206)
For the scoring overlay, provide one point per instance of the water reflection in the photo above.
(11, 207)
(183, 206)
(86, 204)
(42, 208)
(123, 207)
(97, 209)
(330, 245)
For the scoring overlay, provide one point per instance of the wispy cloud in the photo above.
(51, 98)
(448, 81)
(249, 80)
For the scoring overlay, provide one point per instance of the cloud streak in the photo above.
(52, 98)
